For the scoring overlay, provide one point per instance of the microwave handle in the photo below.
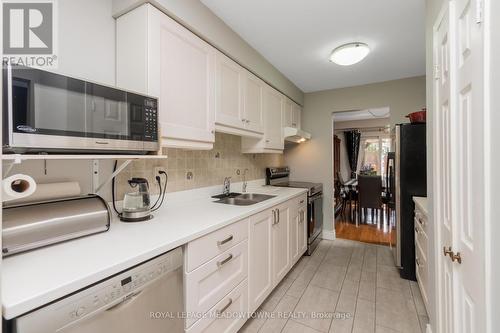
(10, 107)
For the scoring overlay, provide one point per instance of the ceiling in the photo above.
(297, 37)
(368, 114)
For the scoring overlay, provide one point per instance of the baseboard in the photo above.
(328, 235)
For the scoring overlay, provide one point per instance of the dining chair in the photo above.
(369, 195)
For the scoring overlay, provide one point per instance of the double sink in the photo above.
(239, 199)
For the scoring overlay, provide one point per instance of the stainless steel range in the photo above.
(280, 177)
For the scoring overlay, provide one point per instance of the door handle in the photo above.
(454, 257)
(274, 216)
(278, 211)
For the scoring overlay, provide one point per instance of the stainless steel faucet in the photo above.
(226, 189)
(244, 187)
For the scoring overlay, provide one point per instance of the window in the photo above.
(374, 155)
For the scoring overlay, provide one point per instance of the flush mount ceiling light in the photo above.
(349, 54)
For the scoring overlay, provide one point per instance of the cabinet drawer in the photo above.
(208, 284)
(228, 315)
(302, 200)
(421, 239)
(422, 269)
(209, 246)
(421, 220)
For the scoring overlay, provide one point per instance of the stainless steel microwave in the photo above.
(48, 112)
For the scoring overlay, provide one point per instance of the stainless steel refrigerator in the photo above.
(409, 179)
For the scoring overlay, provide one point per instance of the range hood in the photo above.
(295, 135)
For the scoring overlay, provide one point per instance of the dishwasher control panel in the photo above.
(105, 294)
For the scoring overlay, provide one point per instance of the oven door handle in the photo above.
(315, 197)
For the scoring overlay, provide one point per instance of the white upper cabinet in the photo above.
(253, 105)
(296, 115)
(287, 113)
(229, 93)
(273, 141)
(291, 114)
(238, 99)
(158, 56)
(273, 104)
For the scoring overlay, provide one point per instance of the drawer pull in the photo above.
(219, 312)
(225, 261)
(301, 201)
(417, 261)
(222, 242)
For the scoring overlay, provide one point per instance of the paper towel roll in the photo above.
(17, 186)
(51, 191)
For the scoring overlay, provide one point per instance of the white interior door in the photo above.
(442, 172)
(469, 126)
(460, 167)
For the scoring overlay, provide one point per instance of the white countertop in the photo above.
(421, 203)
(35, 278)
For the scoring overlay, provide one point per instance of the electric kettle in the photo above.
(137, 205)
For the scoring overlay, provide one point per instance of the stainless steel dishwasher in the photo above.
(146, 298)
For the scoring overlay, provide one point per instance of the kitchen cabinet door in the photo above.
(187, 88)
(280, 243)
(287, 113)
(294, 234)
(260, 282)
(273, 104)
(159, 57)
(253, 103)
(296, 115)
(229, 90)
(302, 230)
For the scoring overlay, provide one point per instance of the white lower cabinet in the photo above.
(208, 284)
(227, 316)
(298, 230)
(421, 253)
(302, 230)
(280, 243)
(251, 257)
(260, 282)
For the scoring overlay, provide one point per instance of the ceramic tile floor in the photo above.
(345, 286)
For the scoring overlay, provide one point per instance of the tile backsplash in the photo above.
(208, 168)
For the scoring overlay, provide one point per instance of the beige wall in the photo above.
(312, 160)
(197, 17)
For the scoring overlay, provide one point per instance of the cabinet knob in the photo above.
(243, 120)
(247, 121)
(267, 141)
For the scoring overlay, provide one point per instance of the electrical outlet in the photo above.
(157, 173)
(158, 169)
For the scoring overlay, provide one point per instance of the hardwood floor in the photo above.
(376, 230)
